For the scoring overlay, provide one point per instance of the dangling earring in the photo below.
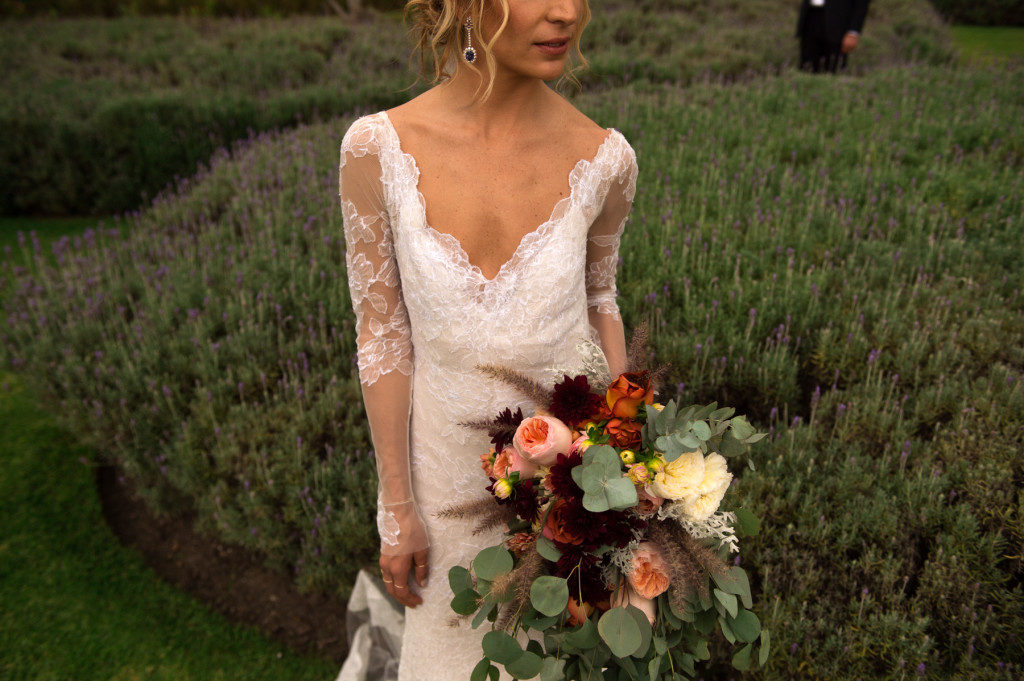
(469, 54)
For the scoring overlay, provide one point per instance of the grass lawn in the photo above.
(989, 43)
(47, 231)
(77, 604)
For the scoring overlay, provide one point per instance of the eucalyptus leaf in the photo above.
(746, 626)
(721, 414)
(701, 430)
(526, 666)
(501, 647)
(741, 428)
(645, 630)
(534, 620)
(704, 621)
(755, 438)
(602, 482)
(741, 660)
(485, 609)
(689, 441)
(654, 668)
(585, 636)
(479, 672)
(727, 631)
(727, 600)
(619, 630)
(734, 580)
(730, 446)
(549, 594)
(459, 579)
(762, 654)
(627, 669)
(552, 669)
(492, 562)
(547, 549)
(465, 602)
(747, 523)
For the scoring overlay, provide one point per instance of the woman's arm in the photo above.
(383, 340)
(602, 261)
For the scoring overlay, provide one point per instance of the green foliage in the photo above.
(600, 478)
(982, 12)
(232, 8)
(101, 115)
(838, 258)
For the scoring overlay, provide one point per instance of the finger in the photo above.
(400, 566)
(421, 565)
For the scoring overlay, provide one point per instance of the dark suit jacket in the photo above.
(840, 16)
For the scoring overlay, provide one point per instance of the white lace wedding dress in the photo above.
(425, 316)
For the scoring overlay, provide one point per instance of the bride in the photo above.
(482, 223)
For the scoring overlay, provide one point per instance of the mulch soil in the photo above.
(230, 579)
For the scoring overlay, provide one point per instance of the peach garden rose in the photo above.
(541, 438)
(649, 576)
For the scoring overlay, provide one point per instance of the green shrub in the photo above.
(232, 8)
(837, 257)
(982, 12)
(105, 113)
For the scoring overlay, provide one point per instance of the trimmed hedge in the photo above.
(838, 258)
(982, 12)
(102, 114)
(206, 8)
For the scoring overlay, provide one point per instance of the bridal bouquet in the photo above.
(615, 545)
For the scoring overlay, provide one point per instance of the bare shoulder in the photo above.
(580, 127)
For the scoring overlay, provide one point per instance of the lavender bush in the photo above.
(99, 114)
(838, 257)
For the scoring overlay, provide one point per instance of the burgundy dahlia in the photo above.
(505, 424)
(559, 479)
(573, 402)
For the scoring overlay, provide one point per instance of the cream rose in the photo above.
(711, 490)
(681, 478)
(541, 438)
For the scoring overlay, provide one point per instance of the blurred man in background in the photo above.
(828, 31)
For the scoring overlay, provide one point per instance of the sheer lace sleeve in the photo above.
(603, 256)
(383, 340)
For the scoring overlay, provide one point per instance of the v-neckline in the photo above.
(450, 240)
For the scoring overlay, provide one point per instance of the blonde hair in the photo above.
(437, 32)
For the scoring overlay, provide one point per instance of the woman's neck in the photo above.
(516, 101)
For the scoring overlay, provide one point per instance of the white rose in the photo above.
(680, 478)
(710, 491)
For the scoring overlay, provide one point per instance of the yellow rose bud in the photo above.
(502, 488)
(639, 474)
(657, 406)
(655, 465)
(627, 456)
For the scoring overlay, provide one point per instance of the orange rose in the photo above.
(626, 393)
(487, 462)
(624, 433)
(578, 612)
(649, 576)
(555, 527)
(502, 464)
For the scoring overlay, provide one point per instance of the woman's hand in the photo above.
(394, 571)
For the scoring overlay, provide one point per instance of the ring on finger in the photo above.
(423, 565)
(387, 581)
(401, 586)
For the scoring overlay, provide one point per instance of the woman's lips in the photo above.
(554, 47)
